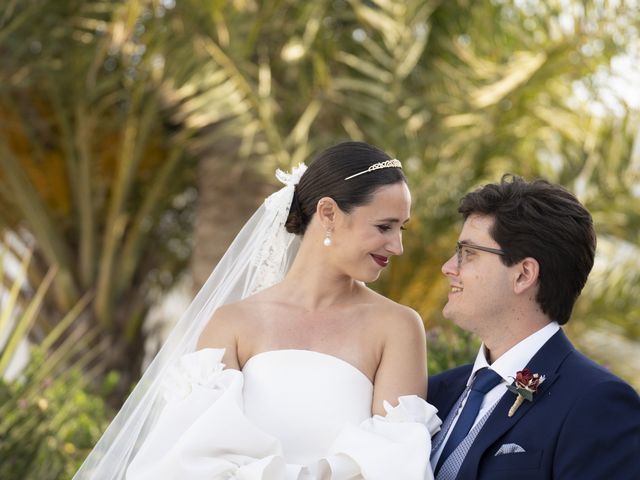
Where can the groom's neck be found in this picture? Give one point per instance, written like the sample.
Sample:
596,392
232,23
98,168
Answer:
502,340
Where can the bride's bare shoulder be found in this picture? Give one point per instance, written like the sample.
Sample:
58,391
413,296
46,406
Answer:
394,318
229,321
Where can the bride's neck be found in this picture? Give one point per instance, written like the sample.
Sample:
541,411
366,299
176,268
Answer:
314,284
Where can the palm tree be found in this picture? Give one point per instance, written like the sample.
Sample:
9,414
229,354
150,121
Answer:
89,170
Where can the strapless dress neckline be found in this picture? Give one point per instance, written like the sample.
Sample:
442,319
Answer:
303,351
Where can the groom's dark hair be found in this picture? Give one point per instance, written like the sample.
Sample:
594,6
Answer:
544,221
326,176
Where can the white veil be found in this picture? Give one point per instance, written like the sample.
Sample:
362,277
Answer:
259,257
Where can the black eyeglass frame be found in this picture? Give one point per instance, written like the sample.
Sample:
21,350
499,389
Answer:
460,246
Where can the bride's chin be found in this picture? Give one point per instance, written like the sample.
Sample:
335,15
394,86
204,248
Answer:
367,278
363,275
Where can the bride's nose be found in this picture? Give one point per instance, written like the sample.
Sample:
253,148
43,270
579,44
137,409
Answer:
395,245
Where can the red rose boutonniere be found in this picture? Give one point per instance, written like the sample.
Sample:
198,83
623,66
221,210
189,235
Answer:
527,384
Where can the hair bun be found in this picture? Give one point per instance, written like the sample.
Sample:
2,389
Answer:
295,220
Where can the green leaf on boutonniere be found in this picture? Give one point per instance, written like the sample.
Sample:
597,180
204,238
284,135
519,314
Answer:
527,394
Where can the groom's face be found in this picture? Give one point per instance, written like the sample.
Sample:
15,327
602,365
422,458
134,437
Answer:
480,287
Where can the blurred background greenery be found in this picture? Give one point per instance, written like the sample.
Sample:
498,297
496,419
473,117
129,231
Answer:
137,136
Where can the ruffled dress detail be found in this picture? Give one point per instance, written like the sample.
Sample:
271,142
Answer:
289,415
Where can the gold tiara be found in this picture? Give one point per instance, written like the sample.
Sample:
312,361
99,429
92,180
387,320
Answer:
393,163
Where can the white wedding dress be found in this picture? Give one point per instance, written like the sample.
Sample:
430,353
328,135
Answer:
289,415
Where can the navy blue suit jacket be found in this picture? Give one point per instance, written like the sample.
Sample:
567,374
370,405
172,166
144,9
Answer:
583,423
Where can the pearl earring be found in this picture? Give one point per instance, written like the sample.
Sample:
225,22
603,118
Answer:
327,239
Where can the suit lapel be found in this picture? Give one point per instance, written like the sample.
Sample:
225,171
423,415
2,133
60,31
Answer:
545,362
448,391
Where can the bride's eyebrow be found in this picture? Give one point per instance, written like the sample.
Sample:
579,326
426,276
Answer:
392,220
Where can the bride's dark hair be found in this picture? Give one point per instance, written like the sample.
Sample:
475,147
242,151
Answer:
326,175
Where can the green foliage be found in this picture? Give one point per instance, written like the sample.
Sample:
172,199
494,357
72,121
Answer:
450,348
48,418
47,426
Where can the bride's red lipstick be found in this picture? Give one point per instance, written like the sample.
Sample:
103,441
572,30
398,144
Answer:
380,260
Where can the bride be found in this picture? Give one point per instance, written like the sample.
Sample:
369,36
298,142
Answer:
287,366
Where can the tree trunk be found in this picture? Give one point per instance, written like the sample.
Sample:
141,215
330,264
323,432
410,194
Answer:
227,197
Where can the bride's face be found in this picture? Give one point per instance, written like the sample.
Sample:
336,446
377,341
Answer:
365,239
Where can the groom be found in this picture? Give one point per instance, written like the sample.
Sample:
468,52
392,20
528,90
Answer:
522,258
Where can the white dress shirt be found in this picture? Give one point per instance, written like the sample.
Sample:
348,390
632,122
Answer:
510,362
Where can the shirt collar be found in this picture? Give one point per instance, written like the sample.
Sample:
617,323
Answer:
517,357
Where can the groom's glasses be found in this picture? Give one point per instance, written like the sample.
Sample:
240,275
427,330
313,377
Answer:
461,246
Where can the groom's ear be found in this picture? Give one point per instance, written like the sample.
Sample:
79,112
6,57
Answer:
326,210
527,273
